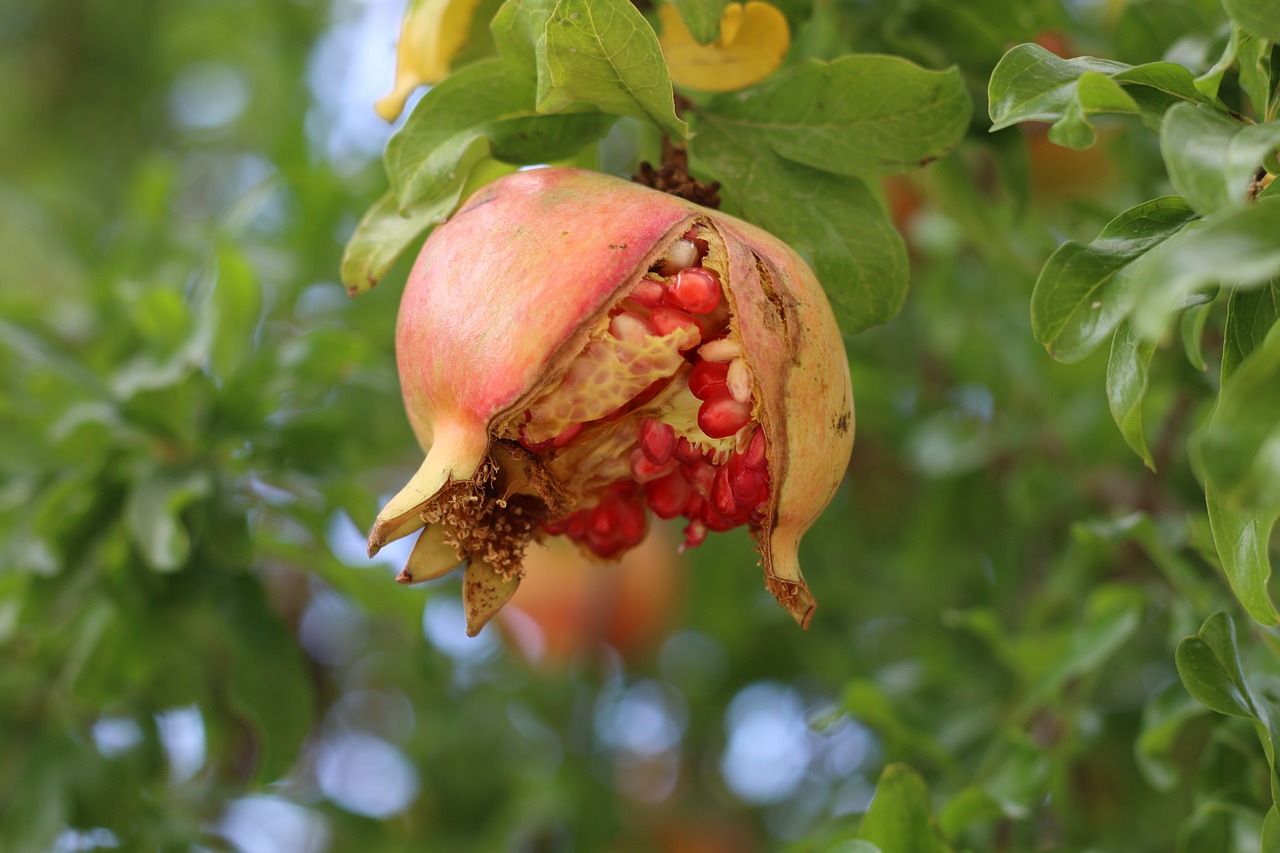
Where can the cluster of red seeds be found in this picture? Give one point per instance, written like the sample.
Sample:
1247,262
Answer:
671,476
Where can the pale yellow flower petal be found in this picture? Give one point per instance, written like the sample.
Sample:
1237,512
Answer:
754,38
432,34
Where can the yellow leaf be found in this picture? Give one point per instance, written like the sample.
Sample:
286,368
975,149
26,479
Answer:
753,40
432,34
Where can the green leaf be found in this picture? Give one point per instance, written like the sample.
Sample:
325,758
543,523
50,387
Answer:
1211,157
488,108
385,230
1237,447
383,234
861,116
900,818
154,515
1192,332
1234,247
1126,387
1242,538
1250,316
1032,84
1209,666
601,53
702,17
1271,830
1081,294
1260,17
850,243
1256,73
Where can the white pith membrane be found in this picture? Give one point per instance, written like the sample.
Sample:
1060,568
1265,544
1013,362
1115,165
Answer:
619,435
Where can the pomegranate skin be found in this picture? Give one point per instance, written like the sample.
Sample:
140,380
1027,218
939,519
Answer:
516,286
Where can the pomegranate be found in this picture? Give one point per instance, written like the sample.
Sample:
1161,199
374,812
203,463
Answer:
577,351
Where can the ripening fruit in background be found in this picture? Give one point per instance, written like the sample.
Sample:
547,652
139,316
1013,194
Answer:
569,603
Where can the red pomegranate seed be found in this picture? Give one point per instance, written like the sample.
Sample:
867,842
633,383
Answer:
649,293
723,417
754,456
749,487
719,523
687,453
707,380
701,477
602,528
667,320
631,522
695,533
695,506
657,440
723,500
643,471
667,496
696,290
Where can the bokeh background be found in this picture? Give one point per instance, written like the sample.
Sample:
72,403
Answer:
197,426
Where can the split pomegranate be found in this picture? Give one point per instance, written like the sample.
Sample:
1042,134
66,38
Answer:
577,352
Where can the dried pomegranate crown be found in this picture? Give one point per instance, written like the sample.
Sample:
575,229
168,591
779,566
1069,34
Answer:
576,351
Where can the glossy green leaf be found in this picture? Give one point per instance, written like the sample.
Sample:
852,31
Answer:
1242,537
834,220
1237,447
1191,328
1256,74
385,230
1127,386
1032,84
383,234
1233,248
1209,666
1082,293
487,108
1271,830
702,17
601,53
1211,157
1260,17
860,116
1251,314
900,818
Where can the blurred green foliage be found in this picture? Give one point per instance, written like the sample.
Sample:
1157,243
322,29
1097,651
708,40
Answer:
197,423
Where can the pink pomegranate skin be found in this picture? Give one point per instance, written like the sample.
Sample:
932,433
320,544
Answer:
506,295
